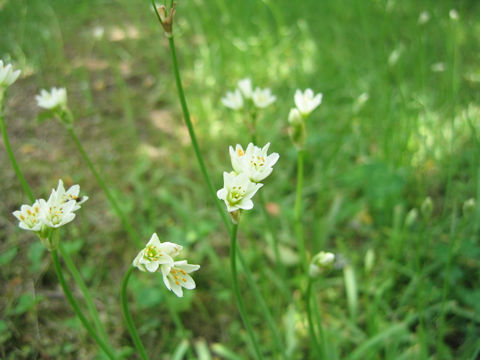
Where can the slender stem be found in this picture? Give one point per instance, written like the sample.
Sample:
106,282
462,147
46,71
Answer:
109,352
126,223
68,261
191,132
86,294
19,173
311,325
128,317
241,306
298,211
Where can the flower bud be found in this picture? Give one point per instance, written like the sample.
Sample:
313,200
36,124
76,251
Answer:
297,129
469,206
427,207
321,262
411,217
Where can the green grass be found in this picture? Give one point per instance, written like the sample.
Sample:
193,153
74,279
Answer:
367,165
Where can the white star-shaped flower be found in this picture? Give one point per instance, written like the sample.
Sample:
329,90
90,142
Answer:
155,254
263,97
176,276
233,100
7,75
307,101
55,98
254,162
29,217
237,191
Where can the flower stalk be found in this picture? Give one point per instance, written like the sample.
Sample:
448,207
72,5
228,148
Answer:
241,306
128,317
76,308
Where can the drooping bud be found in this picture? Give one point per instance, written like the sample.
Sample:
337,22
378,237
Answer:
297,129
320,263
411,217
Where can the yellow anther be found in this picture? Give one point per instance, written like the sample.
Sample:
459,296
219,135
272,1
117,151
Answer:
176,282
240,152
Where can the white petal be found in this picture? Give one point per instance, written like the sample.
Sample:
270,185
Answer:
189,284
152,266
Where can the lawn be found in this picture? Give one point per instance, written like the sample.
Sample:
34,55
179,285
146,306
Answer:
391,177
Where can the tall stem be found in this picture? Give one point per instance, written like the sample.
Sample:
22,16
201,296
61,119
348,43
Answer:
191,132
241,306
86,294
126,223
128,317
76,308
298,211
68,261
311,325
19,173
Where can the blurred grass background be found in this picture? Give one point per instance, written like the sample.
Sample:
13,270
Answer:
398,123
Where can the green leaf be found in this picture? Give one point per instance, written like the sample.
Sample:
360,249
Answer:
8,256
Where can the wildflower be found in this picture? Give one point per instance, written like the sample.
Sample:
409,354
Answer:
263,97
321,262
294,117
155,254
254,162
7,75
53,99
306,102
233,100
176,276
438,67
395,56
238,191
411,217
29,217
453,14
424,17
245,86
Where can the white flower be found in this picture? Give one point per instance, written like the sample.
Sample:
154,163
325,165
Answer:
294,117
233,100
394,56
263,97
306,102
453,14
320,262
438,67
176,276
53,99
237,191
254,162
29,217
7,75
60,207
424,17
156,254
245,86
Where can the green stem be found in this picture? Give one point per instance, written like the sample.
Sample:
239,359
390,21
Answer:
126,224
241,306
68,261
19,173
298,211
191,132
76,308
311,325
128,317
86,294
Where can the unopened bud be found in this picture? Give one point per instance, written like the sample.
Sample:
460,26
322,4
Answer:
297,130
321,262
427,207
369,260
411,217
235,215
469,206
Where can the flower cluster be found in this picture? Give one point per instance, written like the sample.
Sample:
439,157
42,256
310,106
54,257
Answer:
249,168
244,93
58,210
158,256
305,103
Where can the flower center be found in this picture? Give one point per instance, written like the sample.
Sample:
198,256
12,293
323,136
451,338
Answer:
152,253
178,275
258,162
